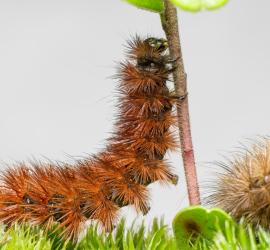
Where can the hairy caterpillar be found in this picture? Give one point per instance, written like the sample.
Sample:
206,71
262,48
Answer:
96,187
243,188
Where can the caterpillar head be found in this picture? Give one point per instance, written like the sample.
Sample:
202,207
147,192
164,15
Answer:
149,54
157,44
152,54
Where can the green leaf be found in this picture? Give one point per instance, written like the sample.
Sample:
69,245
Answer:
198,5
194,223
151,5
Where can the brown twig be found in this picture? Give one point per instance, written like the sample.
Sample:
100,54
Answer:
170,26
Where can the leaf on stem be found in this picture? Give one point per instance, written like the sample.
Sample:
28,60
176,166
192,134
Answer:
151,5
198,5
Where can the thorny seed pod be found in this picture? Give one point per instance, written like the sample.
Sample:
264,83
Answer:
244,186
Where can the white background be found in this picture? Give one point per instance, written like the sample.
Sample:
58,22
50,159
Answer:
57,97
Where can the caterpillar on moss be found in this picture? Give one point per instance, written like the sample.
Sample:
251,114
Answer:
97,187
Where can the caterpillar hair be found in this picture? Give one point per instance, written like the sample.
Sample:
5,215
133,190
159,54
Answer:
95,188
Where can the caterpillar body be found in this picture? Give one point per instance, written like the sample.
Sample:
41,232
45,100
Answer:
97,187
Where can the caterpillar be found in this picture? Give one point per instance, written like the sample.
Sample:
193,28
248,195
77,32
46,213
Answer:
244,186
96,187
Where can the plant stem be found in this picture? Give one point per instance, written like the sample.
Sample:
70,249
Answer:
170,26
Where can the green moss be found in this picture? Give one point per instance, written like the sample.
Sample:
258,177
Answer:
227,236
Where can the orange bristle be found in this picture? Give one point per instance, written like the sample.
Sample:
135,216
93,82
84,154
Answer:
95,188
14,195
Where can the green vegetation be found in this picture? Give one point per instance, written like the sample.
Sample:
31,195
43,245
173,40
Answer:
139,237
188,5
196,222
198,5
157,237
227,236
151,5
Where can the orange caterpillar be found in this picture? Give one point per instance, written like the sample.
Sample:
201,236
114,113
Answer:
96,188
